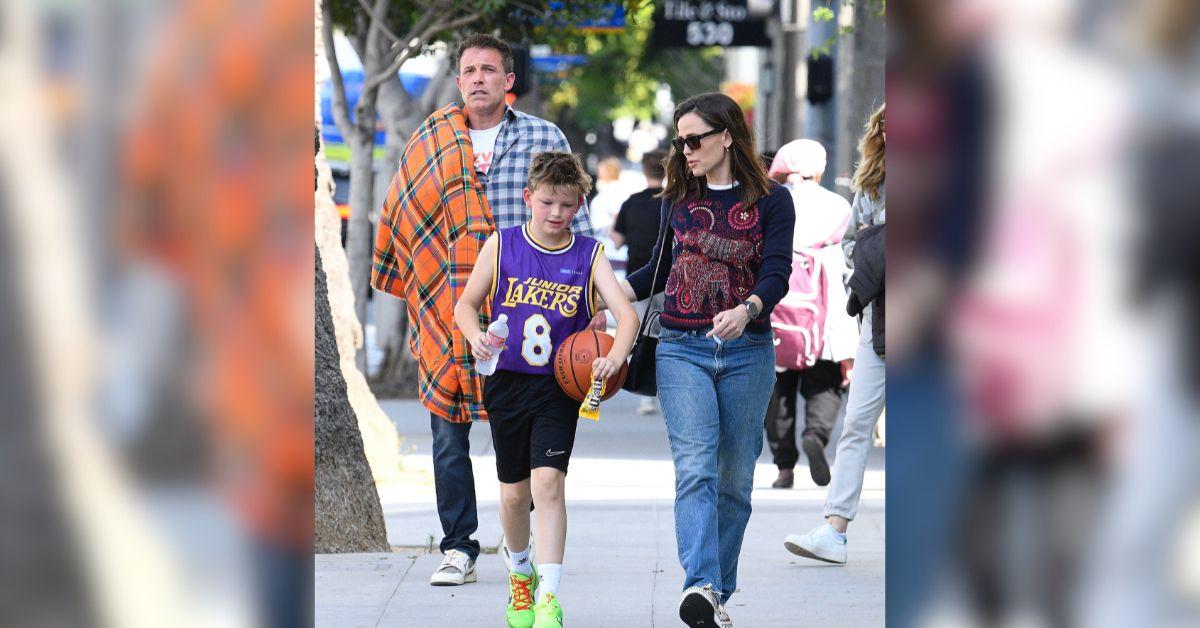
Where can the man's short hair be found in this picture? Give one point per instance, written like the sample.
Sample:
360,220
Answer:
553,169
653,165
483,40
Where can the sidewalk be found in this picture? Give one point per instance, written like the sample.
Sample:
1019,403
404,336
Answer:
621,567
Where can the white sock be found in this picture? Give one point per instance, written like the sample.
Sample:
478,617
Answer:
549,576
840,536
518,562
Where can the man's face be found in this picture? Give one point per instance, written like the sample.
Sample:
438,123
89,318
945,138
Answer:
481,79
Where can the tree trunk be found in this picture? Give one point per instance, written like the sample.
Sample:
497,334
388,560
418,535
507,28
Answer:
381,442
43,582
348,515
861,89
359,241
398,372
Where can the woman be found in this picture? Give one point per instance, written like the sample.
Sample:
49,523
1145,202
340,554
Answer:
869,205
864,403
724,269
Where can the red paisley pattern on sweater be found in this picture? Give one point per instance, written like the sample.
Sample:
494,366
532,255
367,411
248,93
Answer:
718,250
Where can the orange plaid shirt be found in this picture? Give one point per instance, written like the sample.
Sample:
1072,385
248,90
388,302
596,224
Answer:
431,229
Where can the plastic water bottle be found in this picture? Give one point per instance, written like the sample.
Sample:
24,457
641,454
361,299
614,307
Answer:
497,333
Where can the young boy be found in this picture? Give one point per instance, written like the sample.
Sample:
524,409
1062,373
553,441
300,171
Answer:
544,277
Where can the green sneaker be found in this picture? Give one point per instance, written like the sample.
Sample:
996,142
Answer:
547,613
520,599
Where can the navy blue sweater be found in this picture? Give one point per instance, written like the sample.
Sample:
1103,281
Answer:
722,251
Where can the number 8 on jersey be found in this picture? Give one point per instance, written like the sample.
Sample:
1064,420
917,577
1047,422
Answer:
547,293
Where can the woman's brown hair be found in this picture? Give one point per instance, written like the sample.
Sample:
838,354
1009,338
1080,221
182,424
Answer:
720,112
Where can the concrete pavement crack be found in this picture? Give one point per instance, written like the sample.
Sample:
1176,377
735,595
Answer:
382,613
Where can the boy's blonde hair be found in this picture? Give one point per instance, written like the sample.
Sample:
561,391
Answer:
553,169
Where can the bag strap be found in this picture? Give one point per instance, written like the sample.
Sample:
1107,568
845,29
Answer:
662,237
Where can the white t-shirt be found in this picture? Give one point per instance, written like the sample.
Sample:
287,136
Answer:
483,142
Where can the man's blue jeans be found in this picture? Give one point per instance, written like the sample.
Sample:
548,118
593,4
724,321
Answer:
454,482
714,398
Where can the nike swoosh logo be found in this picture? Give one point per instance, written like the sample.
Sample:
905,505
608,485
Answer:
554,453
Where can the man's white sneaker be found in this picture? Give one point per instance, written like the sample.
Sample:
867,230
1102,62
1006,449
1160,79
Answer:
700,607
820,543
456,568
647,406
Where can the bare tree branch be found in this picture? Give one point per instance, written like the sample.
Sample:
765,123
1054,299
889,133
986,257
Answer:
379,21
362,25
341,110
403,47
432,91
533,8
373,34
433,29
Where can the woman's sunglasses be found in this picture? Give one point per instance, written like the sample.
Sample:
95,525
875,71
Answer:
692,141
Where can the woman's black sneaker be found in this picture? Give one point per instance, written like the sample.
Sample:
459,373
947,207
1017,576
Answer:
817,465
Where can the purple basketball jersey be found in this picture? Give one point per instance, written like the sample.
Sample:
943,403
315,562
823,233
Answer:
547,294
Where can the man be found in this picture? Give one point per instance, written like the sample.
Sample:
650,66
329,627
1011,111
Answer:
821,217
637,226
431,228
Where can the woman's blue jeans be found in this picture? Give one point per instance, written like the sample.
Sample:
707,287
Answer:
714,398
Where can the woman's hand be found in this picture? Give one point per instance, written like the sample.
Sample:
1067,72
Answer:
479,347
729,324
603,368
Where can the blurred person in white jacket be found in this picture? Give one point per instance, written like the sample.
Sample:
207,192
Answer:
606,204
821,219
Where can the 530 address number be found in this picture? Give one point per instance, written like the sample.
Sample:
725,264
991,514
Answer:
709,33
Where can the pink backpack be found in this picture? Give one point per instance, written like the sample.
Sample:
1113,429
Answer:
799,318
1012,328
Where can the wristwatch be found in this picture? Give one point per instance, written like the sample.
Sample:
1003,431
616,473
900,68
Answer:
752,308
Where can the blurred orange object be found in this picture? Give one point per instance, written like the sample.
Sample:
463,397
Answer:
219,173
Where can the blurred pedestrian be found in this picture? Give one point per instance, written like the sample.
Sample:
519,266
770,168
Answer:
192,217
609,196
637,227
865,400
603,208
870,194
417,260
817,336
727,266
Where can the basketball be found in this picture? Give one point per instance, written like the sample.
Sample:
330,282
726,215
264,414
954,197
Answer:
573,364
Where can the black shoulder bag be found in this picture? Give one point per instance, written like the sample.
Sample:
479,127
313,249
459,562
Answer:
641,378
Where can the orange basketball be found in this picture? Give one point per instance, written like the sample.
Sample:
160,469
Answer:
573,364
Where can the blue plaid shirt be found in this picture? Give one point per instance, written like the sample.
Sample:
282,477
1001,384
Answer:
522,137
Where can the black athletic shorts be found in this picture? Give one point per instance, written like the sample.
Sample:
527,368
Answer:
533,423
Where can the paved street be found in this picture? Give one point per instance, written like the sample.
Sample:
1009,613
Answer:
621,567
